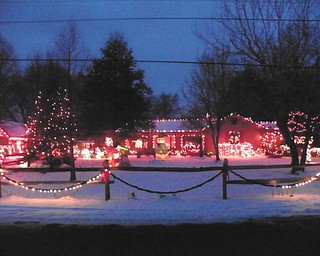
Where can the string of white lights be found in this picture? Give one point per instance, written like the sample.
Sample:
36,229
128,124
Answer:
57,190
304,182
100,176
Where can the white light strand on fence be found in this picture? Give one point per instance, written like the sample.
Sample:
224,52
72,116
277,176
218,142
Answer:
303,183
44,190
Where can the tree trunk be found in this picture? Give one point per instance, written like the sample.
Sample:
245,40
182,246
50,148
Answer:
217,143
215,138
72,164
216,148
306,143
283,126
201,146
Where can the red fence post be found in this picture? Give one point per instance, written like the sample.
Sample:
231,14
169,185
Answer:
225,175
107,185
106,179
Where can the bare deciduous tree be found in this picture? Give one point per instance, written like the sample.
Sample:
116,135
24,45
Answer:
69,49
281,39
204,94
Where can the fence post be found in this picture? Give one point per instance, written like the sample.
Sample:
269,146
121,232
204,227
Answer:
106,180
107,186
225,174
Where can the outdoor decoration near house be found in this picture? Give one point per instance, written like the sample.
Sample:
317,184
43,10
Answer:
162,148
181,140
239,136
91,150
238,150
234,137
109,141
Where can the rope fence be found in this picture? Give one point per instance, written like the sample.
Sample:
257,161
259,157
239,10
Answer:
304,181
46,190
285,183
104,178
166,192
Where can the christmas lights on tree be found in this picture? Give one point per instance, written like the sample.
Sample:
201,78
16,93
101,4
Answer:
271,143
50,127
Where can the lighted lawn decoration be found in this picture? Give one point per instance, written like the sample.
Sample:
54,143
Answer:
123,160
162,147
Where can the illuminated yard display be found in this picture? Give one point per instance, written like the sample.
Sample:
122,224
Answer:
240,149
235,147
169,137
162,148
239,136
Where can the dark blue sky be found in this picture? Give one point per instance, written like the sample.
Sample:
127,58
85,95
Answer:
148,39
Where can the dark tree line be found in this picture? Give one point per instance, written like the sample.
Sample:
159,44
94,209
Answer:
108,94
53,97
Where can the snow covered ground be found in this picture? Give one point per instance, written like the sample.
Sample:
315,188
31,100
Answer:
202,205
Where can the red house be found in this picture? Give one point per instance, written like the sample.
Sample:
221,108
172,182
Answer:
174,135
239,136
13,138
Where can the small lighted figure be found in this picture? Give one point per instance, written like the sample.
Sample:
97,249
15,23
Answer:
109,142
85,153
19,147
99,153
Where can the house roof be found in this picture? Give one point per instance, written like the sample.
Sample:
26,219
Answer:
176,125
13,129
269,125
172,125
262,124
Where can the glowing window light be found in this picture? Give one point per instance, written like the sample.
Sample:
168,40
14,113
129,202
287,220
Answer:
138,143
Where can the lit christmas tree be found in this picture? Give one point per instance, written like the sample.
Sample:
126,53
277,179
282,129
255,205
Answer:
271,143
51,129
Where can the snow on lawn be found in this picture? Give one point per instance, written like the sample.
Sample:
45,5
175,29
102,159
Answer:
202,205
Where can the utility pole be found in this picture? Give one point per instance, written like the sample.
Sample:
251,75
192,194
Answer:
72,165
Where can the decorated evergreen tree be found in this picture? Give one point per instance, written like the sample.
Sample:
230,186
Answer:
50,129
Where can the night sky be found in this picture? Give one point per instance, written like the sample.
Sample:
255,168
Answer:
148,39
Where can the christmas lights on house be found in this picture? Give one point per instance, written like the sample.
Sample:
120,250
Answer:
244,149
